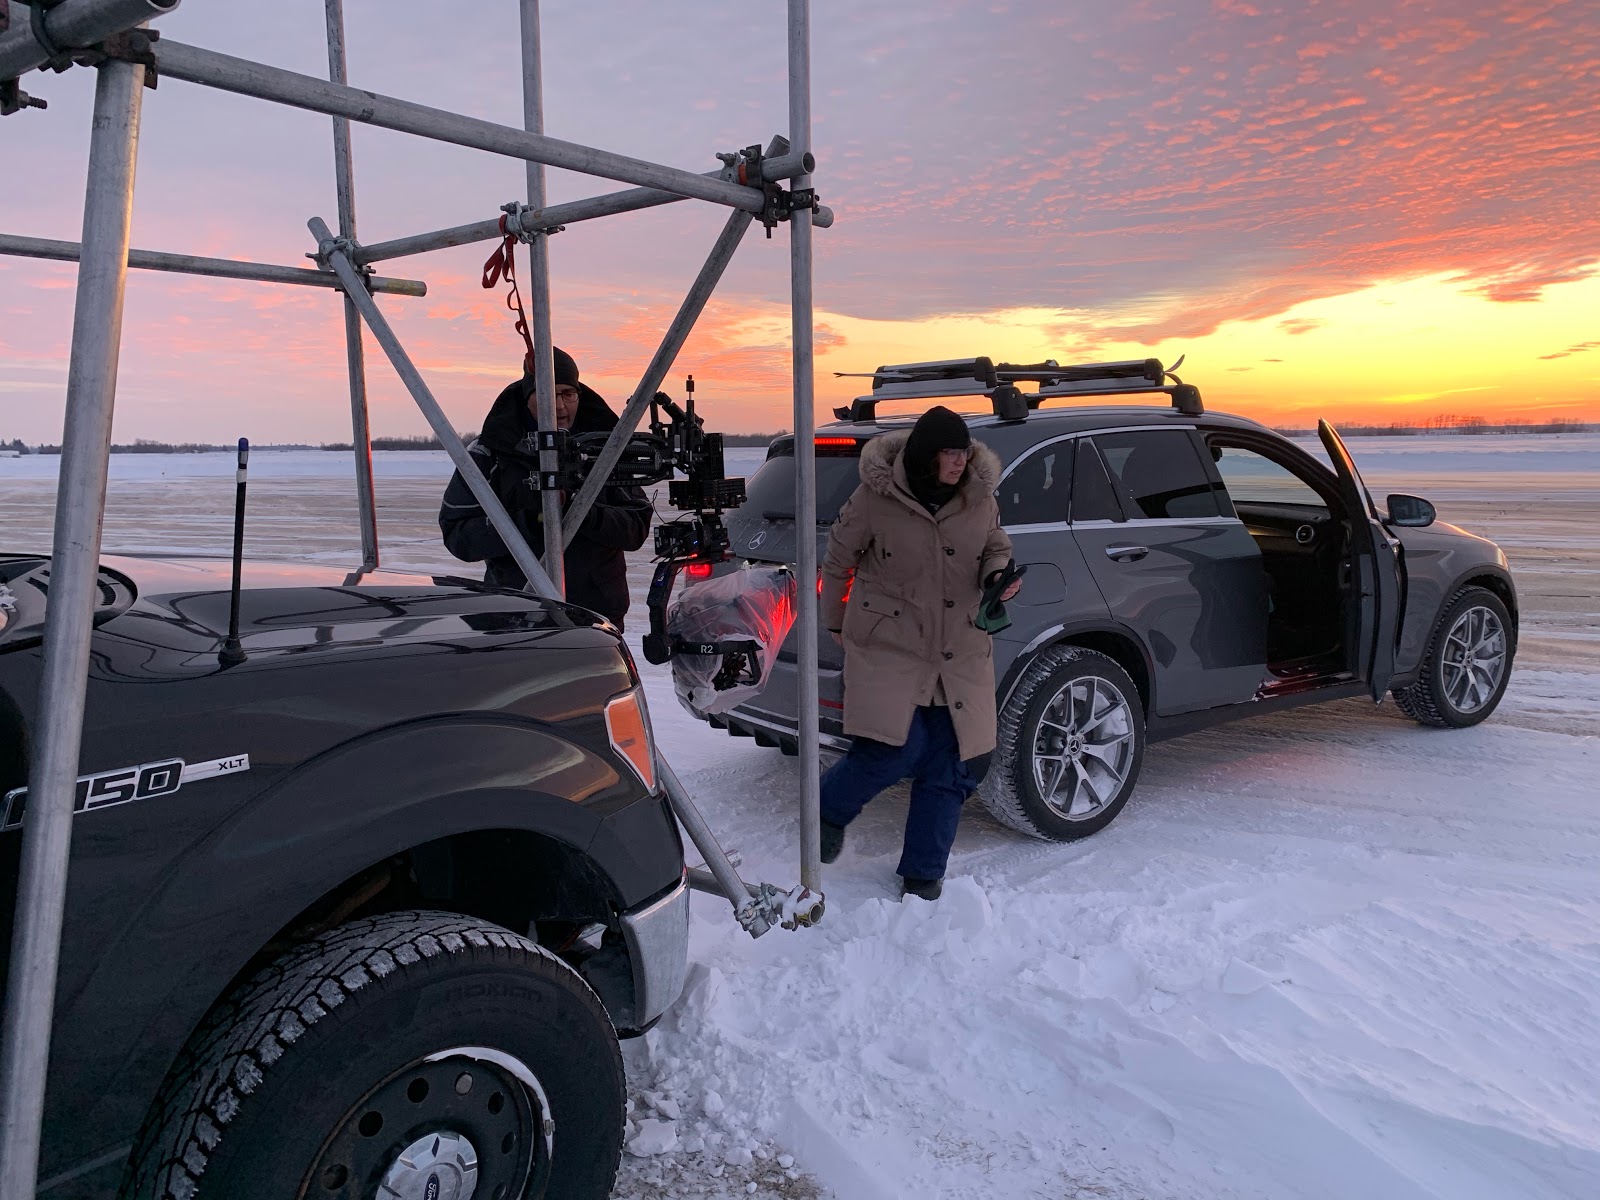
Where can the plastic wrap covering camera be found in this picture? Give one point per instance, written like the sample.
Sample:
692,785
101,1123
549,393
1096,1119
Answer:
740,621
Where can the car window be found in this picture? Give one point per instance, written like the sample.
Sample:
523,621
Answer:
1255,479
1159,473
1036,490
1093,497
770,492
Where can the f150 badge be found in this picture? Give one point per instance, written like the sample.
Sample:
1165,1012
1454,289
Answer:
108,788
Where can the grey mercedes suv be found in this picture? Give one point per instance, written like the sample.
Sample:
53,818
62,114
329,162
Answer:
1184,568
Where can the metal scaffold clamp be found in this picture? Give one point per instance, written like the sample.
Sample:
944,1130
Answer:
133,45
512,224
349,247
745,167
798,908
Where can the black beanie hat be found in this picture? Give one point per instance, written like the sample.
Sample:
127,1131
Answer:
566,369
937,429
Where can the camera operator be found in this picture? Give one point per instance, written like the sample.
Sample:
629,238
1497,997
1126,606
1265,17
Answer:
507,450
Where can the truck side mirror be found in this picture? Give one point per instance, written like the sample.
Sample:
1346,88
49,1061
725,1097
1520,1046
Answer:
1410,511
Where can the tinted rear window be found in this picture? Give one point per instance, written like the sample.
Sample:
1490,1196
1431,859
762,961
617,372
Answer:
770,492
1160,474
1093,497
1036,490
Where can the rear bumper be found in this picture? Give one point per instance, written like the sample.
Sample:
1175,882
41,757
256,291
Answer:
770,718
657,937
778,732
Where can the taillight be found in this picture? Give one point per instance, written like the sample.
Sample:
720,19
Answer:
628,725
698,570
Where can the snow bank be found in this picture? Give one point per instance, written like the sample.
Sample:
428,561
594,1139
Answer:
1324,955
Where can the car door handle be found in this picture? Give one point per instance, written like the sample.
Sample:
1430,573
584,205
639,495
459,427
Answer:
1126,553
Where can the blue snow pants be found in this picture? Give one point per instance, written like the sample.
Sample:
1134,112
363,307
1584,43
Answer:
940,783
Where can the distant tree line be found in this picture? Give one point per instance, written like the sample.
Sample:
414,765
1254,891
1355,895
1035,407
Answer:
432,443
1449,423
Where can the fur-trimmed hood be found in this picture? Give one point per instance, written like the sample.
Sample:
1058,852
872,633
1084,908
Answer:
882,471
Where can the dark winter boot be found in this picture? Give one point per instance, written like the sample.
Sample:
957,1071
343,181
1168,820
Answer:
928,889
832,842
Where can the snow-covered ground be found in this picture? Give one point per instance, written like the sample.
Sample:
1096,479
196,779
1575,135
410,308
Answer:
1324,954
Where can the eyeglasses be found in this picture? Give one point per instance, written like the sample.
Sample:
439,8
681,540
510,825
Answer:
964,455
567,395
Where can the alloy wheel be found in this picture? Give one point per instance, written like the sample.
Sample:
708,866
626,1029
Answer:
1083,747
1473,661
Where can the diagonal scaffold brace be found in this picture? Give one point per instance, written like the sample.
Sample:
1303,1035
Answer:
758,907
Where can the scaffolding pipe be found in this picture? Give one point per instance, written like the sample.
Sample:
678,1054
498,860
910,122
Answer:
677,333
702,880
543,364
723,873
805,454
516,544
344,177
193,65
73,25
218,268
554,217
69,623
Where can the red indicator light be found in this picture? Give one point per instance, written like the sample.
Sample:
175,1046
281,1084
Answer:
836,441
698,570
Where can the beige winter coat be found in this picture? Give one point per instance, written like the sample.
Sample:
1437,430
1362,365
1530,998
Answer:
917,583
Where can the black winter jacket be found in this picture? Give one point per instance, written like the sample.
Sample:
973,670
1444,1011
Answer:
506,450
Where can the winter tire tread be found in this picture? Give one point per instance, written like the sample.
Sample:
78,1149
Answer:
252,1027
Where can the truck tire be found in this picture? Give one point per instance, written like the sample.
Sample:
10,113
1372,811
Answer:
1467,665
417,1051
1071,741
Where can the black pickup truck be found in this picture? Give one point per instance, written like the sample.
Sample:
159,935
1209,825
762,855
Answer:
361,916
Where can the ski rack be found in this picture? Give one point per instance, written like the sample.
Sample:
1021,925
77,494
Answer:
998,381
771,185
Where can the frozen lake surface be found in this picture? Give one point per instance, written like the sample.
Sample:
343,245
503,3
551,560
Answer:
1325,954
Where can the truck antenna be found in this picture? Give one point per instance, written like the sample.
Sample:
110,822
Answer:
232,653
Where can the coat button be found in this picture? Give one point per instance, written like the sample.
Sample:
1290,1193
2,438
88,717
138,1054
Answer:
948,655
949,549
958,704
949,603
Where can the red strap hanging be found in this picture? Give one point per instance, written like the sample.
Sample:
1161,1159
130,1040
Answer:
502,264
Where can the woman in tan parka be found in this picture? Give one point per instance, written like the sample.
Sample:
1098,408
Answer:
912,551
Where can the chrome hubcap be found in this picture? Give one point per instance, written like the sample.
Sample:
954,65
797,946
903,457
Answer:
1083,748
1474,659
439,1166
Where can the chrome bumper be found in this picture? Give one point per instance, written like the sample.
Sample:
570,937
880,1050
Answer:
657,937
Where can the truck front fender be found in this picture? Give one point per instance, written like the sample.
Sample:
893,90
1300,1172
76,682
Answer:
222,899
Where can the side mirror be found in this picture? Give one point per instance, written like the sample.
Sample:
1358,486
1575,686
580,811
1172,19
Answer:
1412,512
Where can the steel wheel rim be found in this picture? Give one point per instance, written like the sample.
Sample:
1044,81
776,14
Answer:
1083,747
1473,659
468,1123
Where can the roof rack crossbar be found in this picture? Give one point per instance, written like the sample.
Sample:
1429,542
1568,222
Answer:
984,377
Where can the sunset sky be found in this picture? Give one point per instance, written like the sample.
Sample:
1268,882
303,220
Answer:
1372,210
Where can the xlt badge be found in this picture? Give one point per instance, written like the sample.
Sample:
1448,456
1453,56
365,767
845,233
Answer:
107,788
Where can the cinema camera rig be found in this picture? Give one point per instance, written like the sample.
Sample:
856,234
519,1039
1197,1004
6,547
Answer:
697,541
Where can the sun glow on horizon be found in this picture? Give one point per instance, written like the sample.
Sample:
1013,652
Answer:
1399,351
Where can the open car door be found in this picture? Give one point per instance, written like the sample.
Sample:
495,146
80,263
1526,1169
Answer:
1377,571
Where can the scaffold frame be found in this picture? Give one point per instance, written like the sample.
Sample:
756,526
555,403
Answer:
112,37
